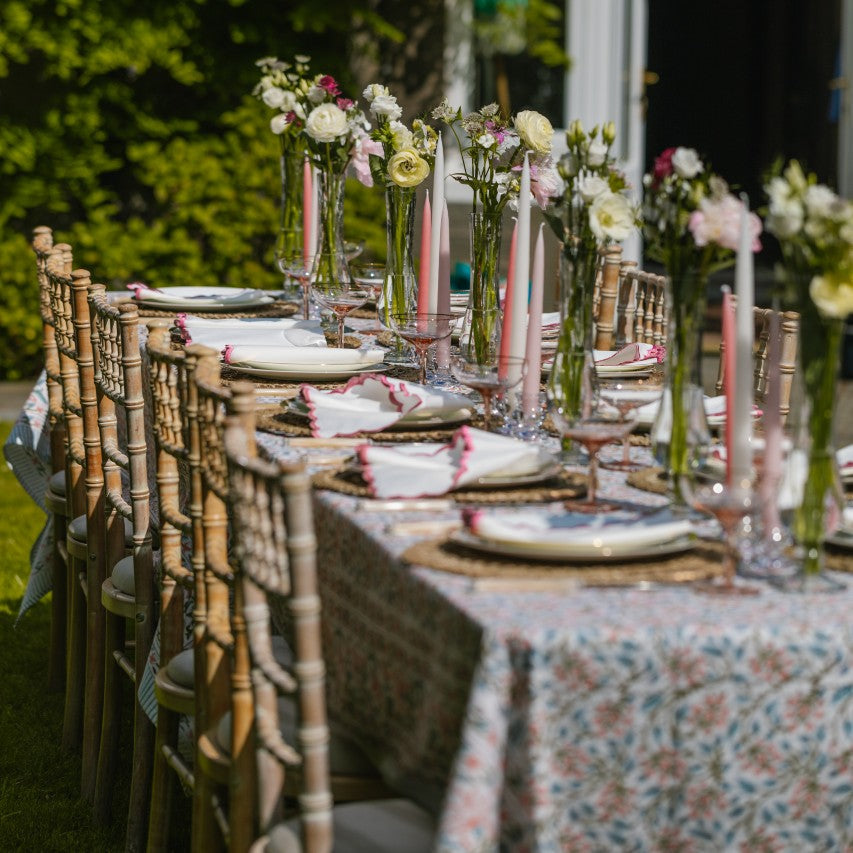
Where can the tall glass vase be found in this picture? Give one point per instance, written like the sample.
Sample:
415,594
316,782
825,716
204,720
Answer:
400,289
330,264
289,240
481,328
821,501
678,428
573,367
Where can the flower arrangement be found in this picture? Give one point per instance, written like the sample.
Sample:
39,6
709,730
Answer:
283,87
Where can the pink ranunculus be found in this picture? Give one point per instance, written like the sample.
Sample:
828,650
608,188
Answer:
364,147
663,165
718,221
329,84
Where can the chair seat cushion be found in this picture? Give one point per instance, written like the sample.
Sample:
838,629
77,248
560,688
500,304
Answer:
56,483
122,576
181,669
379,826
77,529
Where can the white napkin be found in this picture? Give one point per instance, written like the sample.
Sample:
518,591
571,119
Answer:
636,355
715,411
563,531
293,356
250,331
845,461
372,403
190,296
417,470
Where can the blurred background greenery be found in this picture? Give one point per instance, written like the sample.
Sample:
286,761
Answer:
129,128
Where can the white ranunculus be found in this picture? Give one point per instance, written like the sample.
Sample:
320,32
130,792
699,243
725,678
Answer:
386,105
833,298
591,187
375,90
820,200
686,163
596,153
326,123
611,217
273,97
278,123
535,131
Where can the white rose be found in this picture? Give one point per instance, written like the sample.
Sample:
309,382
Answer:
833,298
820,200
278,123
375,90
386,105
535,131
611,217
326,123
273,97
596,153
686,163
591,187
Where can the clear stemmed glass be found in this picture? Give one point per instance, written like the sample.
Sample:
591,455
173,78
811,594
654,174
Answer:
370,276
353,248
489,378
341,298
422,331
298,267
626,395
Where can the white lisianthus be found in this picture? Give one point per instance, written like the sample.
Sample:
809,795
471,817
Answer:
273,97
386,105
535,131
375,90
485,140
278,123
407,168
833,298
402,136
299,110
596,153
316,94
326,123
546,184
591,187
820,200
686,163
288,102
611,217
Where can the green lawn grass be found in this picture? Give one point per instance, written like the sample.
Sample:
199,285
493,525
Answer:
40,808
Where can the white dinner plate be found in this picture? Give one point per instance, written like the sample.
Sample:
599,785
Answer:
307,372
578,553
204,298
841,539
499,481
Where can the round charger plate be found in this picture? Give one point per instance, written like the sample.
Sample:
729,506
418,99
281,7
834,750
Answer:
547,472
579,553
308,373
407,423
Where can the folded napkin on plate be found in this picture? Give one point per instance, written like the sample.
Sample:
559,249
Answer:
250,330
418,470
715,410
296,356
633,354
845,460
372,403
198,295
565,530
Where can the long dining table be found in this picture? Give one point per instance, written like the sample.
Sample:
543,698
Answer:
546,716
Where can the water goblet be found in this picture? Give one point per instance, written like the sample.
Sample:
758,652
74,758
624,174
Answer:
369,276
626,395
422,331
490,378
298,267
341,298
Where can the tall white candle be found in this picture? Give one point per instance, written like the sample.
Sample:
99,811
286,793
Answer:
443,348
533,350
435,234
518,326
741,458
315,212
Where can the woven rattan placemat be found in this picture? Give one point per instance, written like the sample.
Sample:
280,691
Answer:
229,374
649,480
703,561
563,486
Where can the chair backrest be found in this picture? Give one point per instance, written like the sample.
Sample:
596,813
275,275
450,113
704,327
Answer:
641,309
605,304
788,325
224,646
275,546
42,244
176,445
118,381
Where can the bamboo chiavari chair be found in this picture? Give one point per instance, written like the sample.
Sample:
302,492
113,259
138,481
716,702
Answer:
276,554
55,497
789,330
642,314
127,595
607,293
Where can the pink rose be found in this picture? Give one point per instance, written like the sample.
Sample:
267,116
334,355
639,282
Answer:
663,165
718,221
364,147
329,84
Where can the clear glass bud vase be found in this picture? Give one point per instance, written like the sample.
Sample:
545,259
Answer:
289,240
399,294
330,268
480,337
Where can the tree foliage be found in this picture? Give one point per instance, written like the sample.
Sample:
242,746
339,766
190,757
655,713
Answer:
129,129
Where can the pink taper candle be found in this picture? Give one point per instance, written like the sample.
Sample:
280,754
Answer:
728,323
423,271
533,351
507,316
772,467
443,348
307,197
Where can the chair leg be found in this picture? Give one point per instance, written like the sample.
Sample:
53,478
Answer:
206,834
163,781
59,610
140,784
111,720
94,687
72,722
